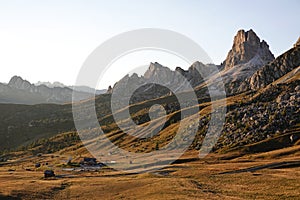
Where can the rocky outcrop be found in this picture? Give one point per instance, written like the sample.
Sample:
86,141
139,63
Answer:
247,45
275,70
272,112
109,90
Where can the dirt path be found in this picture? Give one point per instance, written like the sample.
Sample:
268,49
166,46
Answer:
276,165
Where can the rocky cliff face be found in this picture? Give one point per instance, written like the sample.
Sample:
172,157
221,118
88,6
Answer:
248,54
246,46
282,65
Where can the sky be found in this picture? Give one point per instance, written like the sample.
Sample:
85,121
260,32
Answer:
49,40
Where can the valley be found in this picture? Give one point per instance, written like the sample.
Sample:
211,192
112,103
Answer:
191,179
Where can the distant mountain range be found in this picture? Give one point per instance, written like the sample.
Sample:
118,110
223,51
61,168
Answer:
76,88
20,91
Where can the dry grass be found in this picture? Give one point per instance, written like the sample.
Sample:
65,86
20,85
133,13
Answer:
188,180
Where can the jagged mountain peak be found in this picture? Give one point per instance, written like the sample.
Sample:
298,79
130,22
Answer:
197,64
156,69
15,78
19,83
247,45
246,36
155,65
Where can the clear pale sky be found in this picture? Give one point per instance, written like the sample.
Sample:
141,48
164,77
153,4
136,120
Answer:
49,40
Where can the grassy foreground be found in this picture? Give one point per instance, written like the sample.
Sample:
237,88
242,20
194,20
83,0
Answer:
191,179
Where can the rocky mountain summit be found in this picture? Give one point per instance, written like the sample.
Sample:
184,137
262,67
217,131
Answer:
18,83
246,46
248,54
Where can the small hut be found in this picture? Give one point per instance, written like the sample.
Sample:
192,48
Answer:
49,173
37,165
89,161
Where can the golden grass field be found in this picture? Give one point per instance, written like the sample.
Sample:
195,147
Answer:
191,179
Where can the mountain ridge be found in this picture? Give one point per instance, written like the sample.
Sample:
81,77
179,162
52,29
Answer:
248,54
282,65
76,88
21,91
